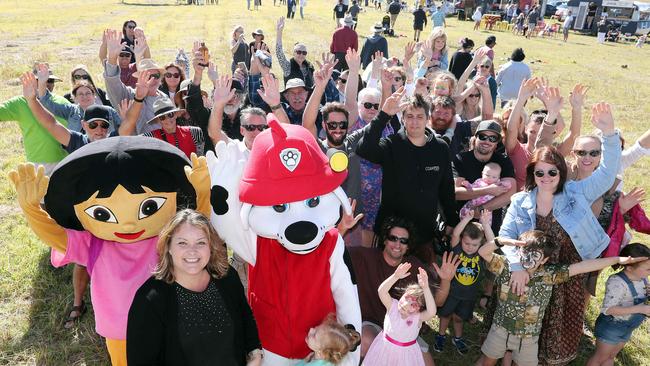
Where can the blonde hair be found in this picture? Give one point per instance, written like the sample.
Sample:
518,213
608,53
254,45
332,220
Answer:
217,265
416,291
336,340
444,75
438,32
236,28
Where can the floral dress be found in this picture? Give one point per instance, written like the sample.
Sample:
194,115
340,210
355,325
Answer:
371,176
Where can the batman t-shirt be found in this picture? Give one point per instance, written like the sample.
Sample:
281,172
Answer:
465,285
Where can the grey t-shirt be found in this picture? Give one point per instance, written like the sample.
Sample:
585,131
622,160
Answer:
352,184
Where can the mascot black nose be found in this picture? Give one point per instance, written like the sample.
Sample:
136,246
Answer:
301,232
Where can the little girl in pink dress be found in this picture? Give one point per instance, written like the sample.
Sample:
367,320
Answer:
396,344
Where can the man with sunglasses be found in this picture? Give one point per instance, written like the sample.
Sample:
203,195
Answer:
468,166
117,91
374,265
297,66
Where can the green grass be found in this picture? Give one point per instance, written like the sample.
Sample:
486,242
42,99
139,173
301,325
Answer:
33,295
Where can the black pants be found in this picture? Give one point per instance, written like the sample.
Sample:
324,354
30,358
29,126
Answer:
341,65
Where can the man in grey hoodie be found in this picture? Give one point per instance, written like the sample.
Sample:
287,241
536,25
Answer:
375,42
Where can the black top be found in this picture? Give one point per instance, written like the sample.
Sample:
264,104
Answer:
166,324
416,179
459,62
395,7
199,114
340,10
420,19
467,166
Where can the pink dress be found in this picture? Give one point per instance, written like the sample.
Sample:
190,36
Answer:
397,343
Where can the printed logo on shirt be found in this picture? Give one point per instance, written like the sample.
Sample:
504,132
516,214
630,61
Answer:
434,168
468,270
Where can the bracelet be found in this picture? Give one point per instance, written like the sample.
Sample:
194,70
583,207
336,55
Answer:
276,107
135,99
498,243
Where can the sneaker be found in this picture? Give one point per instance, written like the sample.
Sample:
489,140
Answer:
461,347
439,345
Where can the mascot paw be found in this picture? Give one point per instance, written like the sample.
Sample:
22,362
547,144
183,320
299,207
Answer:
226,169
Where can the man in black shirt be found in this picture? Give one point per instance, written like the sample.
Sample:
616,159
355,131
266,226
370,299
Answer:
339,12
393,9
416,168
468,166
419,22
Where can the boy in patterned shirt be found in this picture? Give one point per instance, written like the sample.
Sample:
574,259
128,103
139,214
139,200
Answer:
518,319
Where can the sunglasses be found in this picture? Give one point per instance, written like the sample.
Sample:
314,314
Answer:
155,76
125,54
80,77
583,153
474,95
343,125
368,105
551,173
92,125
343,81
393,238
397,78
131,26
304,53
251,128
485,66
167,115
492,138
174,75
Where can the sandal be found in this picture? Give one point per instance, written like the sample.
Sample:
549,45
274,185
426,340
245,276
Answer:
71,319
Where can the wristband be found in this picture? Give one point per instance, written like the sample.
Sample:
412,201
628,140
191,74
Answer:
135,99
276,107
498,243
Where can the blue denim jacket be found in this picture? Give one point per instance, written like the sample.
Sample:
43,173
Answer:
571,208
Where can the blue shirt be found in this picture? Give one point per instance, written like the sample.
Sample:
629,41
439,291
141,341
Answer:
438,18
79,140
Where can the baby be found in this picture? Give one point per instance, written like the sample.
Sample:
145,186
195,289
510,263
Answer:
491,175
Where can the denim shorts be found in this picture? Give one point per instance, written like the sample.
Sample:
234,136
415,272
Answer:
614,331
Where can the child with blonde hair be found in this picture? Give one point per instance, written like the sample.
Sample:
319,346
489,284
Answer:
397,343
331,342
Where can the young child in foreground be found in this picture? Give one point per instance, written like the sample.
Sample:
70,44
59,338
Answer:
396,344
518,319
331,342
464,289
491,174
624,306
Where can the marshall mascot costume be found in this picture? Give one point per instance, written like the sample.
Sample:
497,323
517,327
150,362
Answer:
277,211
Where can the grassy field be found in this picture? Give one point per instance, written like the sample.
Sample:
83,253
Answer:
33,295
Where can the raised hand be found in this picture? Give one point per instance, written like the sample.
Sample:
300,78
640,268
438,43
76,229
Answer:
394,104
138,32
402,270
485,217
353,59
409,52
43,72
348,221
197,60
631,199
29,85
270,92
427,50
552,99
223,91
386,78
280,25
577,96
198,174
447,268
377,62
124,106
213,74
423,278
30,184
146,85
114,44
528,88
602,119
140,47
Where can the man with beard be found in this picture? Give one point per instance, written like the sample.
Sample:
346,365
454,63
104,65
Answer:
468,166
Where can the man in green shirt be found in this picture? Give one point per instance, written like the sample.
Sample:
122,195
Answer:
40,147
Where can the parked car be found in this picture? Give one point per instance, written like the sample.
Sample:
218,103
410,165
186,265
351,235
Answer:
550,10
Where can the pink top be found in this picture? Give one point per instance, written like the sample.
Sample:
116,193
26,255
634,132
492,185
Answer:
520,157
116,271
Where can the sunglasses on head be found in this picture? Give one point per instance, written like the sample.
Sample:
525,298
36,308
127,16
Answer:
394,238
474,95
304,53
343,125
166,115
550,172
174,75
80,77
251,128
583,153
155,76
492,138
368,105
125,54
93,124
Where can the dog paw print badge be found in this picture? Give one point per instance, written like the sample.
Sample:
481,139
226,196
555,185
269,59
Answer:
290,158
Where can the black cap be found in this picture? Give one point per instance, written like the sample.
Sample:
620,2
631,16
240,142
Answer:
489,125
490,40
97,112
236,84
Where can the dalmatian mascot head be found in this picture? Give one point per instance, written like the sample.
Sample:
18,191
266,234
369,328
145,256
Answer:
290,190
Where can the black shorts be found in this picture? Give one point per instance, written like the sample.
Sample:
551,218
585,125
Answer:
463,308
418,27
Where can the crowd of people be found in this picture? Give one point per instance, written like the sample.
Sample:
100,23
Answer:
456,203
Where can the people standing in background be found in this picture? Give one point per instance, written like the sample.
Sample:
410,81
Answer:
419,22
